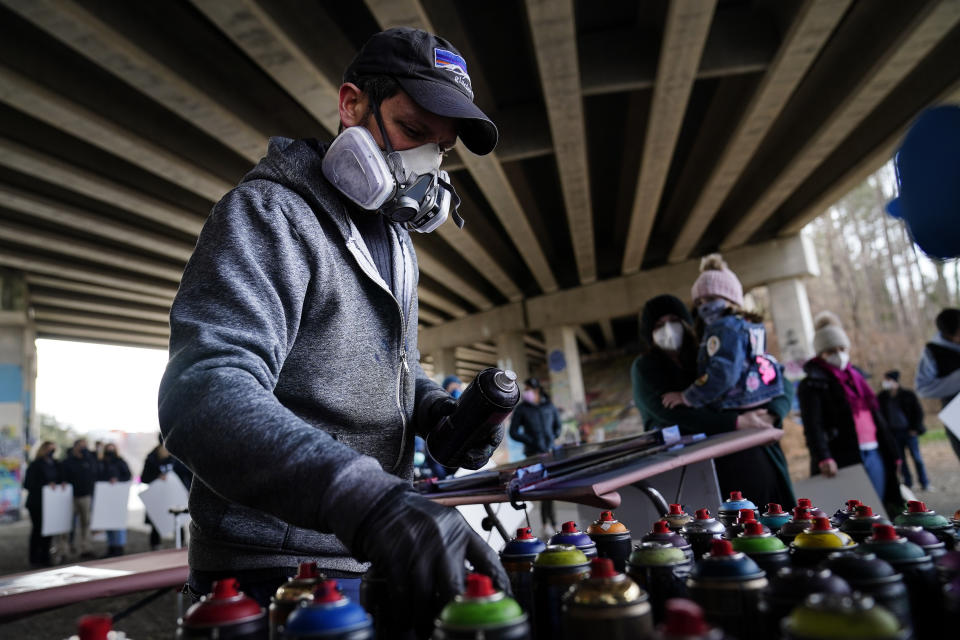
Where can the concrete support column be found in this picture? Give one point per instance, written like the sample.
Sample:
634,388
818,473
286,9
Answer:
18,357
444,363
793,323
512,354
563,360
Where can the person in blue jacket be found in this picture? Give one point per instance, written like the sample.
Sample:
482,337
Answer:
113,468
734,371
536,425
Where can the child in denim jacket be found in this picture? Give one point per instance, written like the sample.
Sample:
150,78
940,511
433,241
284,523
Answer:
734,370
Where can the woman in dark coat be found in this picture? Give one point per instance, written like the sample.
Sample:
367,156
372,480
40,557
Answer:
536,424
43,471
841,417
669,363
113,468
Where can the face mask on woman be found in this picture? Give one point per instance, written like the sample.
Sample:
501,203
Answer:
530,396
669,336
839,359
711,311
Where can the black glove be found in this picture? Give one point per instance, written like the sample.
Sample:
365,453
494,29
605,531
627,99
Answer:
483,447
420,547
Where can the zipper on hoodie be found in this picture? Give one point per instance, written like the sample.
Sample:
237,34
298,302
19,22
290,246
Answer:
402,364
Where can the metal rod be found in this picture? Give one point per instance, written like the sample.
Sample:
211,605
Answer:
495,522
659,502
683,474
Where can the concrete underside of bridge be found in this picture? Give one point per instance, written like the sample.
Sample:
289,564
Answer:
634,138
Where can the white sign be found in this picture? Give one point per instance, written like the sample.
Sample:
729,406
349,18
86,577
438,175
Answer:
110,506
162,495
830,494
950,416
57,509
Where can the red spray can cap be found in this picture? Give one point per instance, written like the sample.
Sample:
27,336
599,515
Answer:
226,605
806,503
602,568
479,586
306,571
524,533
94,627
801,513
853,504
606,516
326,592
721,548
746,515
736,495
753,528
661,526
885,533
774,508
676,510
703,514
915,506
863,511
569,527
684,618
821,524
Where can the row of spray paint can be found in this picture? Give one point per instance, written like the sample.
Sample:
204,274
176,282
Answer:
765,574
752,574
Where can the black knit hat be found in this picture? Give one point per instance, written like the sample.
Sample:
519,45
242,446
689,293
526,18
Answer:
433,73
893,374
658,307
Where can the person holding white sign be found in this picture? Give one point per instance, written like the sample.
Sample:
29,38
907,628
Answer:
114,469
938,372
43,471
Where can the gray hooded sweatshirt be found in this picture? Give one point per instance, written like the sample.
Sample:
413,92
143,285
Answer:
294,386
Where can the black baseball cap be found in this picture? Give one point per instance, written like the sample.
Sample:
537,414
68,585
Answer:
433,73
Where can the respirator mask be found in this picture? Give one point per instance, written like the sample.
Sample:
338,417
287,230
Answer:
407,187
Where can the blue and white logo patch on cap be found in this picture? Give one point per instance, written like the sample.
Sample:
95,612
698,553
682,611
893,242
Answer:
448,60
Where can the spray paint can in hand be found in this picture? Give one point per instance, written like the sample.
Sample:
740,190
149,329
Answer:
825,617
555,570
329,615
482,613
874,577
606,605
612,539
730,508
569,534
702,531
517,558
662,571
664,535
485,403
729,586
288,596
225,613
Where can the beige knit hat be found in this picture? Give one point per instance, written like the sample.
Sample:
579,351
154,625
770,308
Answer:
828,332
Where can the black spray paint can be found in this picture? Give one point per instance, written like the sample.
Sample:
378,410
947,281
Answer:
485,403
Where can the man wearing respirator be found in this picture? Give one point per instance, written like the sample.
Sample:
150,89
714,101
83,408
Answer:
294,387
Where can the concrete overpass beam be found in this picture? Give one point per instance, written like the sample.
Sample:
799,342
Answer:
566,377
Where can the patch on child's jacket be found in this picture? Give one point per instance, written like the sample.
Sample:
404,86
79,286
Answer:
713,345
768,372
702,380
753,381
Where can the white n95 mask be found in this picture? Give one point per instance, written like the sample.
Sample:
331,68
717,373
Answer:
669,336
406,186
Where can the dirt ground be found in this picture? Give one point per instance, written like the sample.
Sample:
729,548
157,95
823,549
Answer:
157,620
